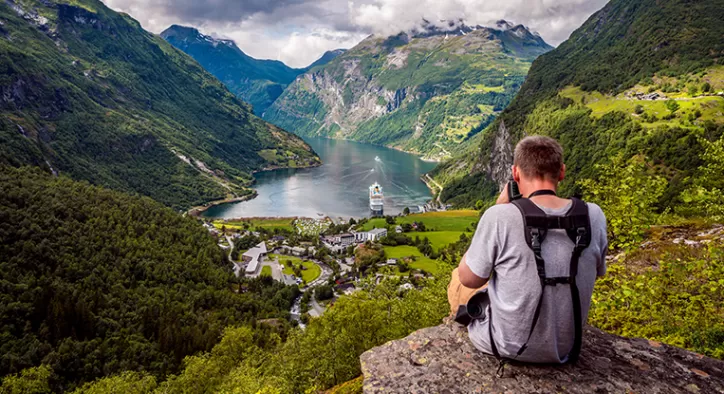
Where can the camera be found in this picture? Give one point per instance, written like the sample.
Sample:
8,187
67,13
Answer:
513,191
475,309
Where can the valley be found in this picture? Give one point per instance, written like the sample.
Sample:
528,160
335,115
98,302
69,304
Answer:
285,276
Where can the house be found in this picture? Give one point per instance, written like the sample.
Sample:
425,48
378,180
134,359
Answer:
376,234
391,262
407,286
345,239
360,237
398,229
345,288
254,257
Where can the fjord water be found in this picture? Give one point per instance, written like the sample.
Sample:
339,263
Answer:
340,187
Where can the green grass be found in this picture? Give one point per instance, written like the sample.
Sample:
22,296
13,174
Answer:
438,239
710,106
267,223
458,220
266,271
422,263
311,273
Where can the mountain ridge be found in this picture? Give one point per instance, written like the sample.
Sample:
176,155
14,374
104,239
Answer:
256,81
425,91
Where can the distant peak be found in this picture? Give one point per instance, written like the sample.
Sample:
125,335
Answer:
177,30
504,25
192,34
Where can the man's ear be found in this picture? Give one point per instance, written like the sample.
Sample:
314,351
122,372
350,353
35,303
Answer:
516,174
563,173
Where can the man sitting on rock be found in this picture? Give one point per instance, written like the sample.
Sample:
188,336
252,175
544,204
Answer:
525,254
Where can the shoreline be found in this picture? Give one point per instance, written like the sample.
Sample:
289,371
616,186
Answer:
416,154
200,209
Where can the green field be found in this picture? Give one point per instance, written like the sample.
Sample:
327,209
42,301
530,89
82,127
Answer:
457,220
266,271
267,223
709,106
439,239
422,263
311,273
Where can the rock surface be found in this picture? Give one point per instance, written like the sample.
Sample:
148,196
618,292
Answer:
442,360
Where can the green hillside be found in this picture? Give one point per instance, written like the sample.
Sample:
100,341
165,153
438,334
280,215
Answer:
95,282
592,91
87,92
424,93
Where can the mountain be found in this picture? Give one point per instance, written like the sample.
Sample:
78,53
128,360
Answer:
423,92
87,92
639,77
258,82
96,282
326,58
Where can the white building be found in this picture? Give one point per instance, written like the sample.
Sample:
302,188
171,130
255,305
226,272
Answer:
254,257
376,234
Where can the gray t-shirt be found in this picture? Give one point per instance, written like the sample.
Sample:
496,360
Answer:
499,246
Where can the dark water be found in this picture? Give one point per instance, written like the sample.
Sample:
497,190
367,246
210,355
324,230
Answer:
340,187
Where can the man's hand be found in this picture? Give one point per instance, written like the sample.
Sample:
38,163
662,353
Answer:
504,198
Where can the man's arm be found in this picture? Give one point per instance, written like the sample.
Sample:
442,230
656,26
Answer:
467,277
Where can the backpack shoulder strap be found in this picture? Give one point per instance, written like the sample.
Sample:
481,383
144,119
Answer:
580,234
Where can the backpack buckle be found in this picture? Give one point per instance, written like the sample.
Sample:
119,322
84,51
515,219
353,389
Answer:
580,232
535,238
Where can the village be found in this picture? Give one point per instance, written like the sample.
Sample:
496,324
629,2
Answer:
328,258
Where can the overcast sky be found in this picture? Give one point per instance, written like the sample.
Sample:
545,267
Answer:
298,32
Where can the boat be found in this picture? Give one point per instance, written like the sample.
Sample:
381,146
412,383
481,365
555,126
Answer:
377,200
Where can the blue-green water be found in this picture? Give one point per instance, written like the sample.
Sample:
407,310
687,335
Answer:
340,187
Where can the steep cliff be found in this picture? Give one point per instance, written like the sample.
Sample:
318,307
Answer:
442,360
421,92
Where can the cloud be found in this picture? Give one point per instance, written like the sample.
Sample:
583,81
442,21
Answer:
553,19
299,31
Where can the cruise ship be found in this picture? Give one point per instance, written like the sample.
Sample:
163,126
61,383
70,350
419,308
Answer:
377,201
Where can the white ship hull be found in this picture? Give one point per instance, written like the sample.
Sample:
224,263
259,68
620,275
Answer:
377,201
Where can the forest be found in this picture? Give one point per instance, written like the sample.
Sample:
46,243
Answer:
94,282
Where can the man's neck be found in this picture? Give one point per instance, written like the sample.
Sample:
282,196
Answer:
529,187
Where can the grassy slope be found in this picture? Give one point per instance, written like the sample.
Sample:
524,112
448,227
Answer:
253,223
311,273
93,94
457,220
421,262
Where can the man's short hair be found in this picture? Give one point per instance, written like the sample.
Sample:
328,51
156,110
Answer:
539,157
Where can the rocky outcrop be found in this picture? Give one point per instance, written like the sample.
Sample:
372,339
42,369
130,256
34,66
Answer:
442,360
501,156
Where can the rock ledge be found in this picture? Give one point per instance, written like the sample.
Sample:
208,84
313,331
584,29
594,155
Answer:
442,360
